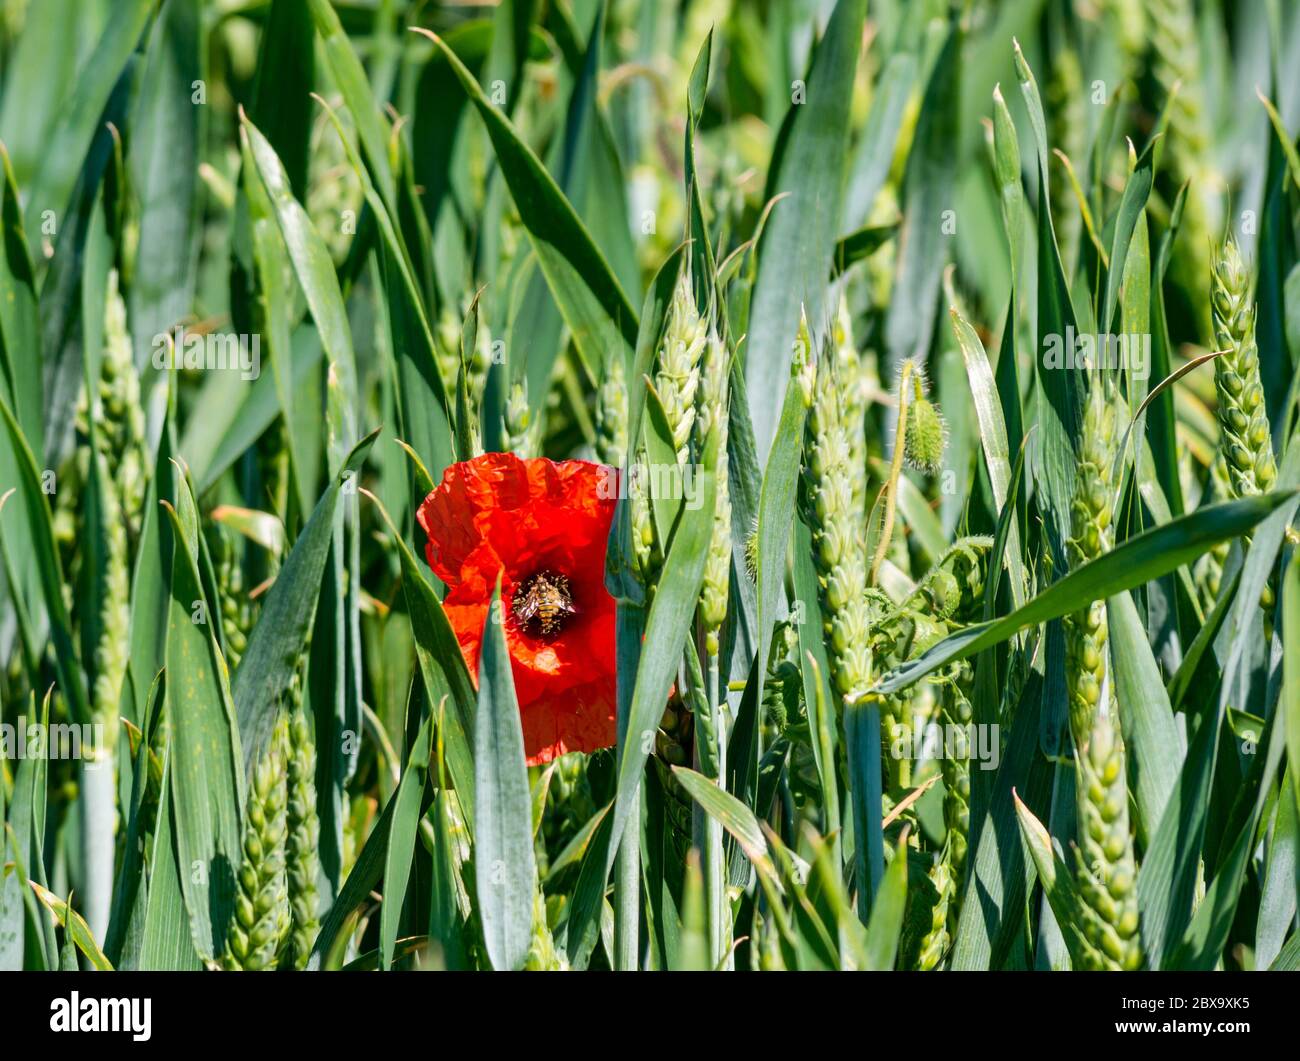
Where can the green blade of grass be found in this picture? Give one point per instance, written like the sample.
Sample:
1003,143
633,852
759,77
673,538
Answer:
875,148
1140,559
78,120
407,804
1155,745
1168,873
366,872
776,507
927,192
620,575
1132,203
667,626
316,276
733,815
275,310
1057,880
1011,194
588,295
862,748
1206,935
287,616
74,927
994,441
34,507
703,266
588,162
798,243
167,942
212,445
887,912
504,869
994,893
1160,415
21,930
816,668
41,72
350,76
286,74
131,889
425,405
1059,385
1277,902
20,325
206,769
442,666
1291,673
168,123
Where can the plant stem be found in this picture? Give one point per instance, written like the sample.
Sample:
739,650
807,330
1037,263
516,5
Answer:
629,628
826,752
627,896
714,854
862,740
98,825
895,470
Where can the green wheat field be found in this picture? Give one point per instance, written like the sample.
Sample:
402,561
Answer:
693,485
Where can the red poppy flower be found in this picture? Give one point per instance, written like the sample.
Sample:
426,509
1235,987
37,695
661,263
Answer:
542,526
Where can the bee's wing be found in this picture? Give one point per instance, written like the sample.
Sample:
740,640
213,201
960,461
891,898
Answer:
528,607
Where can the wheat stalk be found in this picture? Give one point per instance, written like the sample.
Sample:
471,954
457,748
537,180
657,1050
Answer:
302,845
520,429
1244,438
938,936
711,731
712,417
1209,568
1176,66
262,913
853,377
1105,863
611,415
1065,108
236,609
677,378
1243,419
121,420
839,548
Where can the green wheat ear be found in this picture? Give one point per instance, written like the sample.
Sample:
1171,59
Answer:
839,547
302,848
1245,442
121,419
521,429
712,416
853,377
237,611
1105,866
262,914
680,353
611,415
1243,420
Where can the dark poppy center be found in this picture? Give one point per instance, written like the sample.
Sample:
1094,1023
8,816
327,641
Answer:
543,603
